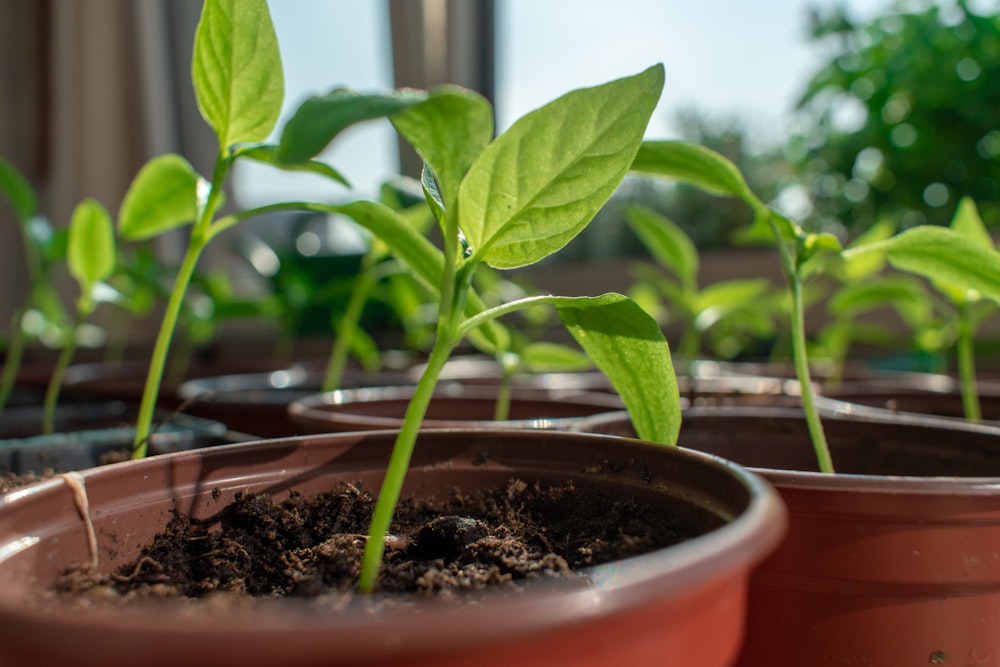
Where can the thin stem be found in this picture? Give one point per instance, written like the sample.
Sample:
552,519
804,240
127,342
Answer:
161,348
501,411
967,363
55,381
200,235
362,288
798,327
399,462
15,354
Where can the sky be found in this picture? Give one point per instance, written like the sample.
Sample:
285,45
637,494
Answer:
722,57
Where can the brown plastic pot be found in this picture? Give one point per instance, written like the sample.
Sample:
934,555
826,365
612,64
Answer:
681,605
257,403
894,560
454,405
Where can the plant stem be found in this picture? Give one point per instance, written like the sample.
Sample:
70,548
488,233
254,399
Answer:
15,353
363,286
55,382
158,359
200,236
967,364
801,359
399,462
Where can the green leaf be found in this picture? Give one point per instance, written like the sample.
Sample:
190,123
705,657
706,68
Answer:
448,130
541,182
945,256
903,293
236,70
732,294
968,223
628,346
543,357
319,120
163,196
18,191
91,252
695,165
864,265
269,155
669,245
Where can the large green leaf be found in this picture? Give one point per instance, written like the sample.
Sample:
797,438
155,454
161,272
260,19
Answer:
16,188
628,346
91,251
944,256
692,164
320,119
541,182
236,70
669,245
163,196
449,131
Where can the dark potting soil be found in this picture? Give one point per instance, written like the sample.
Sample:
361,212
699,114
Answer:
310,547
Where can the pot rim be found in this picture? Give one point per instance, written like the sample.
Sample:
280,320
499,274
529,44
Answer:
818,481
312,407
616,586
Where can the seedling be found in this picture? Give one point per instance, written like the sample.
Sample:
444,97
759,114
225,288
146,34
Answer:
239,86
91,260
797,248
44,248
509,202
963,264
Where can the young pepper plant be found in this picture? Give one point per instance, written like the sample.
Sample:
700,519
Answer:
90,255
509,202
798,249
239,86
44,248
963,264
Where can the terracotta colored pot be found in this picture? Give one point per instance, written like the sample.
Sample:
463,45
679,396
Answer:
257,403
682,605
895,560
453,406
921,393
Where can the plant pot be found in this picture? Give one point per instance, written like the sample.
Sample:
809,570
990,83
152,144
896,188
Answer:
257,403
680,605
891,561
126,380
453,406
921,393
87,433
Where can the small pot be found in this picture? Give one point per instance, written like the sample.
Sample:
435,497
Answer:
891,561
680,605
453,406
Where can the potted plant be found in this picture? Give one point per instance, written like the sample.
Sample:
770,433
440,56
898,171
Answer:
887,561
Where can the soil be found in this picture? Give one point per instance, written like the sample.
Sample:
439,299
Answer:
312,547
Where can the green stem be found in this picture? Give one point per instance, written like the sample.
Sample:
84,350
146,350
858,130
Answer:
967,364
399,462
161,348
55,381
453,296
15,354
800,357
501,411
363,286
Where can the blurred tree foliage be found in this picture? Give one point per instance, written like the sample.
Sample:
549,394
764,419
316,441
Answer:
904,119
